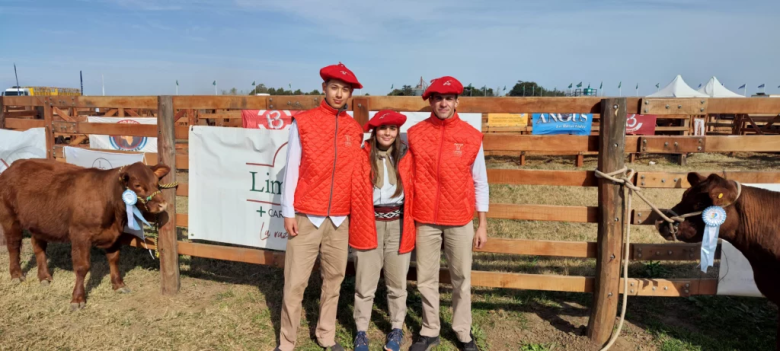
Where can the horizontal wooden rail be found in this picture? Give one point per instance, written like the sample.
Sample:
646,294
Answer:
580,214
23,124
541,177
680,179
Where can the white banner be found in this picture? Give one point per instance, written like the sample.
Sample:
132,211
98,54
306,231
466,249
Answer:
99,159
15,145
123,143
235,179
736,273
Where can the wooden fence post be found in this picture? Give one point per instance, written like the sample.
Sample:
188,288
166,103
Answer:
610,221
360,109
47,121
167,236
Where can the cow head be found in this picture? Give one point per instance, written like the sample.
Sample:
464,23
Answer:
704,192
145,182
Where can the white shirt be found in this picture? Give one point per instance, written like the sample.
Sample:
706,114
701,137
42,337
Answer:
291,181
481,188
384,195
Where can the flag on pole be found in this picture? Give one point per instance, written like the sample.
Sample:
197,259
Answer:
579,85
177,82
742,86
570,85
215,83
699,85
657,85
504,87
637,85
620,84
588,85
253,83
392,86
761,86
601,85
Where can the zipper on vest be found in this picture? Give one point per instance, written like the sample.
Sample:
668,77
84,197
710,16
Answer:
438,179
335,158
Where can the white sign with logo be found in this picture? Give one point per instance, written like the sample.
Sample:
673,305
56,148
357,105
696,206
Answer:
236,177
736,273
99,159
16,145
123,143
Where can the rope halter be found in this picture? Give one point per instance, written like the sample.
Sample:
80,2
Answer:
673,221
144,200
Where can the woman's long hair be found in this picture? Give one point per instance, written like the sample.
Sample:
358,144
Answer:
395,157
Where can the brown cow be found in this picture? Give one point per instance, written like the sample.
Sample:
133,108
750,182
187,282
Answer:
56,201
752,225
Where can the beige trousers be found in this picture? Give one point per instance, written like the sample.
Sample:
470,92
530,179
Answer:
368,264
457,249
332,244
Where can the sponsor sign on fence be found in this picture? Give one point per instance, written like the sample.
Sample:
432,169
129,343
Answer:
562,123
99,159
123,143
236,177
637,124
507,119
15,145
268,119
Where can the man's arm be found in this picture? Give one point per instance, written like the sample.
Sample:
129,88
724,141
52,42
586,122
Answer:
482,192
291,180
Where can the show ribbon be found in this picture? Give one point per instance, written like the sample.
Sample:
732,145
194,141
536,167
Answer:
714,217
130,199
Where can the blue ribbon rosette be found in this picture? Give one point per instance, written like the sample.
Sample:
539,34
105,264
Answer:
714,217
130,199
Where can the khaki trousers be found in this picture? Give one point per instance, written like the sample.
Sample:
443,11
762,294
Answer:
332,244
368,264
457,249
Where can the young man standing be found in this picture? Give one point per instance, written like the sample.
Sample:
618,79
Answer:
323,148
450,185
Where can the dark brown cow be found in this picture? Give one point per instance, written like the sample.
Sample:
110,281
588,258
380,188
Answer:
56,201
752,225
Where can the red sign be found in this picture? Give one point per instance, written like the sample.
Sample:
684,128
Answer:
640,124
268,119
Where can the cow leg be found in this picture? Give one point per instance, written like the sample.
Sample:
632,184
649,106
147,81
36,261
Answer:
113,264
39,247
80,255
13,241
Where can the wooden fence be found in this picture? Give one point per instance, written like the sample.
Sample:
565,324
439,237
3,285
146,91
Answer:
176,113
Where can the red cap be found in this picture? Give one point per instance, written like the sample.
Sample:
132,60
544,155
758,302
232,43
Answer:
443,85
340,72
386,117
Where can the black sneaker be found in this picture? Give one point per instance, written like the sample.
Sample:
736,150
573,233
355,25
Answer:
425,343
471,345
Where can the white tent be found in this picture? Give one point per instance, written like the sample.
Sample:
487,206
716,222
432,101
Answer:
678,89
714,88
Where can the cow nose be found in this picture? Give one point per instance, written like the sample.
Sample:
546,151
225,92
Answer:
162,206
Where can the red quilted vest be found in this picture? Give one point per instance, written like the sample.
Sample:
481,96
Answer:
362,223
330,145
444,151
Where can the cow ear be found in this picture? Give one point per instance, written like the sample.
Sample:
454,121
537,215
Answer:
695,178
721,191
160,170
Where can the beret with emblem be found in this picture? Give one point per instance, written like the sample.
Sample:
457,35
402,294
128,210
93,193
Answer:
340,72
444,85
386,117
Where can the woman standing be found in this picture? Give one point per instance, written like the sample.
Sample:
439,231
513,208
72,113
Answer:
381,232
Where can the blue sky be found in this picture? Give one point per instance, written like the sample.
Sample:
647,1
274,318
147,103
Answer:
143,46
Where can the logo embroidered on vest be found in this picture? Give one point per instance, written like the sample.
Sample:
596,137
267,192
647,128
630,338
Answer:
348,141
458,152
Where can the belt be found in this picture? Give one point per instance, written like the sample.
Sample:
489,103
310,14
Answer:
388,213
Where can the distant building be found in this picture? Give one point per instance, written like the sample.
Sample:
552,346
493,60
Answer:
419,89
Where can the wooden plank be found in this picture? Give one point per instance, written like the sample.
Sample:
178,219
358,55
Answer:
675,106
77,140
671,287
146,130
668,252
565,143
579,249
237,254
530,281
221,102
23,124
182,132
541,177
579,214
295,102
501,104
131,112
224,115
182,220
744,106
680,179
47,120
19,114
673,145
183,189
767,143
64,115
610,222
24,100
166,149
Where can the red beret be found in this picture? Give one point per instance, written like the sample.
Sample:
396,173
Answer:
386,117
443,85
340,72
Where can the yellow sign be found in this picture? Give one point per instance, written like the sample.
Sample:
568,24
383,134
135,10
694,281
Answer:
507,119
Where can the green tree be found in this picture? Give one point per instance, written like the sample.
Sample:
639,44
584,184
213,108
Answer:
522,88
406,90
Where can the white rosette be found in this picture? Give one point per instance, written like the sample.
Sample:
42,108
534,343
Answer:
714,217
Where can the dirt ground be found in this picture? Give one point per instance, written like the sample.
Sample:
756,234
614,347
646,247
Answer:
234,306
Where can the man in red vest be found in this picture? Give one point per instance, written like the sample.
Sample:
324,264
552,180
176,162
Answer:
323,148
450,185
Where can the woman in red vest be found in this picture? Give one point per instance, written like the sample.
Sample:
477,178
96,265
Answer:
382,230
